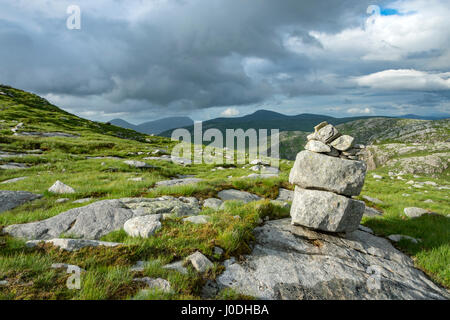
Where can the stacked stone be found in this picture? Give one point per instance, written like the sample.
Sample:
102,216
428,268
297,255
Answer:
326,176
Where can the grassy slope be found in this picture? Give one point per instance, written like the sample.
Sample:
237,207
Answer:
108,277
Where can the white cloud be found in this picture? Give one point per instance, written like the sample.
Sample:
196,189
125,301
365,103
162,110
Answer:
230,112
359,110
420,27
405,79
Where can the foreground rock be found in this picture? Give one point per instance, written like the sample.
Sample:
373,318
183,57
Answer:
327,211
102,217
318,171
233,194
156,283
290,262
13,180
61,188
12,199
137,164
414,212
199,262
72,244
143,226
178,182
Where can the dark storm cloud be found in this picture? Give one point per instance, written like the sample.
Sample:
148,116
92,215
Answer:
188,52
175,56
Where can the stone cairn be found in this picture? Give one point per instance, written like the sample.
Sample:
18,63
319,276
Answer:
326,175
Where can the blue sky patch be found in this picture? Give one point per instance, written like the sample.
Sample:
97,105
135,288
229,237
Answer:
389,12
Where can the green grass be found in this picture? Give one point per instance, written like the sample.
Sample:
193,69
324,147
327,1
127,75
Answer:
108,274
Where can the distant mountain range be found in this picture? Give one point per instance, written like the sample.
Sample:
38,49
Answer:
261,119
416,117
155,127
264,119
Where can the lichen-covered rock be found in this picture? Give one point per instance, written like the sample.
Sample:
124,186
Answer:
413,212
317,146
12,199
72,244
343,143
61,188
326,211
178,182
212,203
318,171
232,194
89,222
200,262
291,262
143,226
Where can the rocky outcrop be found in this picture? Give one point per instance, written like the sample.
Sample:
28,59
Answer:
143,226
292,262
12,199
72,244
102,217
237,195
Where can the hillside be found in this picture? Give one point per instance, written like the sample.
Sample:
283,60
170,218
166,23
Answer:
155,127
380,131
109,175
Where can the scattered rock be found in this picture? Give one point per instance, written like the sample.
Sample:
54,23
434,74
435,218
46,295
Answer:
371,212
138,164
365,229
138,179
200,262
62,200
3,282
72,244
197,219
166,205
13,180
343,143
317,146
326,211
210,289
84,200
143,226
233,194
414,212
66,266
89,222
285,195
13,166
61,188
218,251
212,203
178,182
399,237
376,176
373,200
139,266
326,134
178,266
156,283
290,262
12,199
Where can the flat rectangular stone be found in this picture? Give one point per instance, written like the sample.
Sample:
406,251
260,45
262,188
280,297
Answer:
318,171
326,211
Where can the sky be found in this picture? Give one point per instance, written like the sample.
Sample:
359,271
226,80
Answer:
143,60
